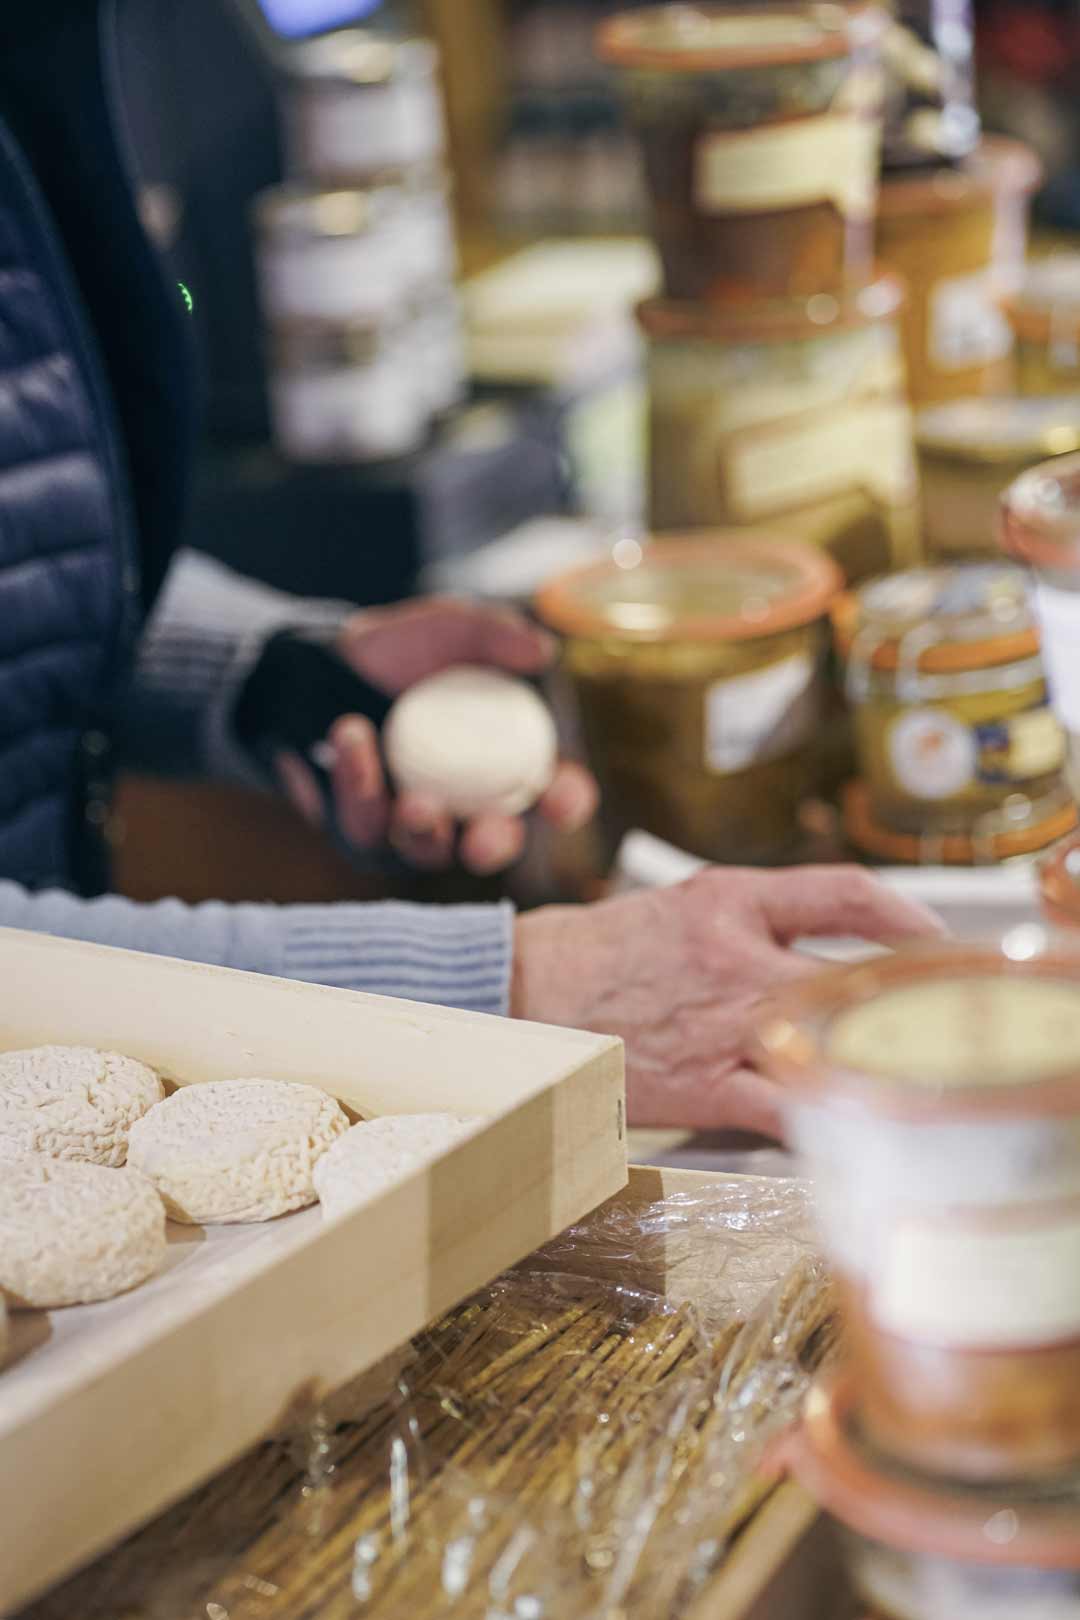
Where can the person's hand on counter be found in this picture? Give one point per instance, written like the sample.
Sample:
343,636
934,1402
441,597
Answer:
679,972
393,648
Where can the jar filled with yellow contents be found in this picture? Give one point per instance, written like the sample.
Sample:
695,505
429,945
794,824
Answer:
970,451
934,1095
793,417
698,667
954,733
760,130
1044,313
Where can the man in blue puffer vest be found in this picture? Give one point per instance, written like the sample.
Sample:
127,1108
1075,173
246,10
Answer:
109,643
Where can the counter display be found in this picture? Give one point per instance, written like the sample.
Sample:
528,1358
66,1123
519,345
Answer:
970,450
935,1097
789,418
1044,313
698,666
958,237
760,131
953,722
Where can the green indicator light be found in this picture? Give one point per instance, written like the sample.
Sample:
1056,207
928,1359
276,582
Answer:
186,296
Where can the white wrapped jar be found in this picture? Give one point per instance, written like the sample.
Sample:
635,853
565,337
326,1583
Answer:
334,255
344,394
437,343
916,1551
358,104
934,1095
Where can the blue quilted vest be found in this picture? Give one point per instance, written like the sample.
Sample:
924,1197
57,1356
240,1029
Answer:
93,426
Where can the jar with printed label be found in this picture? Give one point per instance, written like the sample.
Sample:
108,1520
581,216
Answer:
954,732
970,451
345,393
929,60
760,130
958,237
359,103
1040,526
1044,313
356,255
698,670
792,418
934,1095
918,1550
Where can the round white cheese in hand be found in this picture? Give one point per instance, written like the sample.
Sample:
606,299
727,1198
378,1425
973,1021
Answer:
474,739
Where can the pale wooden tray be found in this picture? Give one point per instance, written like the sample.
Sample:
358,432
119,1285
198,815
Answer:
109,1412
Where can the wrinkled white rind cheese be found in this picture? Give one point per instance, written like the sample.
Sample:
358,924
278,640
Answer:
378,1152
236,1150
474,739
72,1233
72,1102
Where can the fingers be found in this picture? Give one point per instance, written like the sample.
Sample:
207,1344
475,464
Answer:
842,901
300,787
491,842
572,799
404,645
738,1100
422,832
361,804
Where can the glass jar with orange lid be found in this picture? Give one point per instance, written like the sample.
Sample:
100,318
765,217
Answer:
934,1096
958,237
1040,526
698,667
919,1550
785,416
954,734
1044,313
1059,885
760,127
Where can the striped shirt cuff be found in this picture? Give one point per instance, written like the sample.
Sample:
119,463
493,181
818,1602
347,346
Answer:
452,956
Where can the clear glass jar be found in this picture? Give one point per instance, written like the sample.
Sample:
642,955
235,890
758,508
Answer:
958,237
760,130
345,393
355,255
1040,525
793,419
359,103
952,717
921,1551
1044,313
934,1095
970,451
698,667
929,57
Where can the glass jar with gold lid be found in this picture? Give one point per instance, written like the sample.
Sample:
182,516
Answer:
698,669
760,127
970,450
953,728
1044,313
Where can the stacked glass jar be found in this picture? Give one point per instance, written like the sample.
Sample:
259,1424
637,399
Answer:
934,1095
356,256
776,381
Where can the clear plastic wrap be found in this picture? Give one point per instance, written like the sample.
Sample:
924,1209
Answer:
566,1444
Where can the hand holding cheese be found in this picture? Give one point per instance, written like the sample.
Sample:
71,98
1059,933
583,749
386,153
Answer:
474,739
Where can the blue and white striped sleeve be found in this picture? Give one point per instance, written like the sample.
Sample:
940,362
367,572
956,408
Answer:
202,641
452,956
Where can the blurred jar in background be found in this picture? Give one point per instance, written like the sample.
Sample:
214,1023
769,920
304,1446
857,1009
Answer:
1044,313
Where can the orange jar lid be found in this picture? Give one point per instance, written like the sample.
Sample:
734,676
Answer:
720,587
934,1033
1040,515
898,1510
938,620
718,38
1059,882
782,322
998,166
951,849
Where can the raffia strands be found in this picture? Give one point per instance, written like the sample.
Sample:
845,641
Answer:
579,1444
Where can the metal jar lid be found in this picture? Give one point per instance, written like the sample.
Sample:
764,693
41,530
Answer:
1000,432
